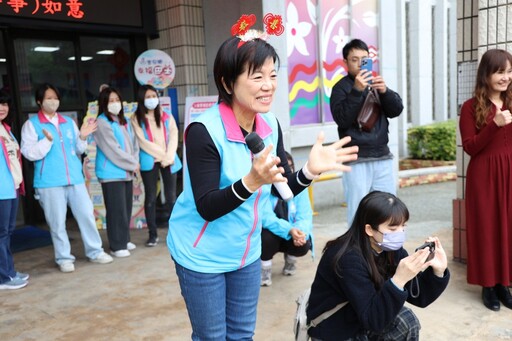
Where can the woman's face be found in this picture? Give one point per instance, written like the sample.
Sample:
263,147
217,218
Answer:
384,228
4,111
113,98
253,93
500,80
150,94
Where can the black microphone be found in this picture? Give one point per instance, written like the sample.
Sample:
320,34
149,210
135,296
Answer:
256,146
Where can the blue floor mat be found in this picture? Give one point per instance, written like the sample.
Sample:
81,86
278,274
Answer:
29,237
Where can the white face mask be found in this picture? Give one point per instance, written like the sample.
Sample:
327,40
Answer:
114,108
50,105
151,103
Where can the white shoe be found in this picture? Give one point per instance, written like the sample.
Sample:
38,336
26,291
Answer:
266,276
102,258
130,246
67,267
120,253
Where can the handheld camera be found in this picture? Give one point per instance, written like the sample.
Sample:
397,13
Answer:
432,249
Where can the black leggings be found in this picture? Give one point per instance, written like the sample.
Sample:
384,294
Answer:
150,181
272,244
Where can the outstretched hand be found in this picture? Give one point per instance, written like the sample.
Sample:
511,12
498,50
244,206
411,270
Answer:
326,158
87,128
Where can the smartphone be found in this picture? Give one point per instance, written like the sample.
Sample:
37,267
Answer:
432,248
367,64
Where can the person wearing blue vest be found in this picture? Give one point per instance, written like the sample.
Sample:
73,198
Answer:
54,143
11,186
289,230
117,163
157,135
214,235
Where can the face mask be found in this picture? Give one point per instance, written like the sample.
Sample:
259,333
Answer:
392,241
151,103
114,108
50,105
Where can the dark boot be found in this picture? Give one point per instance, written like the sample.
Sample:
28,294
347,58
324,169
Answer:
490,298
503,294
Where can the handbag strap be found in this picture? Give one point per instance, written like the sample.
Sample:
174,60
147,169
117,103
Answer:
326,315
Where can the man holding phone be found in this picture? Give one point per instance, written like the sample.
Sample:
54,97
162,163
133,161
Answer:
373,170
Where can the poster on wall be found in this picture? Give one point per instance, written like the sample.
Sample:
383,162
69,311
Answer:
316,35
138,219
156,68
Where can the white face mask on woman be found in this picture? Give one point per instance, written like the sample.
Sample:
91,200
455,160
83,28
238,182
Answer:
151,103
50,105
114,108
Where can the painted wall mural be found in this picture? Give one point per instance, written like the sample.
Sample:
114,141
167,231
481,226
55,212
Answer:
317,30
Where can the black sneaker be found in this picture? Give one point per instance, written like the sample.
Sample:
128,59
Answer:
152,241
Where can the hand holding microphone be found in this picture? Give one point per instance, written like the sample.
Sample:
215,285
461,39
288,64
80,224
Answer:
257,147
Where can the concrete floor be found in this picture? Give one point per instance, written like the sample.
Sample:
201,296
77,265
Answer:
138,298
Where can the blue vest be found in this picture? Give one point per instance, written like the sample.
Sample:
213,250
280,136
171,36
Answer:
234,240
61,166
7,188
105,169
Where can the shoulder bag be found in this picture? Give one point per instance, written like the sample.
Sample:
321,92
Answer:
370,111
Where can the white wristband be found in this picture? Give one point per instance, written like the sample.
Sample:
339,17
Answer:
247,188
307,173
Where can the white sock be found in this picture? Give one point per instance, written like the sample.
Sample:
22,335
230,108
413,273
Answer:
291,259
266,264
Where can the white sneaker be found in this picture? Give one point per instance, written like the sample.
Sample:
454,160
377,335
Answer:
130,246
266,276
102,258
67,267
120,253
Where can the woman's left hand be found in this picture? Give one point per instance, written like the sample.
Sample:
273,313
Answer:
87,128
440,262
325,158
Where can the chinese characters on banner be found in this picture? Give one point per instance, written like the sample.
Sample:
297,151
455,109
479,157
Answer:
156,68
73,8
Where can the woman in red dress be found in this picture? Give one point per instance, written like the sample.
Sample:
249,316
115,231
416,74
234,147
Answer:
487,137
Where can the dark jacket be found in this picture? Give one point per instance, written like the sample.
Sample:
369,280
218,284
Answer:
369,309
346,103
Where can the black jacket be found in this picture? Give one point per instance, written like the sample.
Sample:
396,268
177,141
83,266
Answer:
369,309
345,104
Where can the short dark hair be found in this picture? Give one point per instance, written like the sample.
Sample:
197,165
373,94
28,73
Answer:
354,44
141,111
232,60
103,104
39,96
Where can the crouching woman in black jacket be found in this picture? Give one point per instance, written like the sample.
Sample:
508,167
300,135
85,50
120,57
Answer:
368,267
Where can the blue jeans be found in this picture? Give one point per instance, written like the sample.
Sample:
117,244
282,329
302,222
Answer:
364,178
221,306
54,201
8,210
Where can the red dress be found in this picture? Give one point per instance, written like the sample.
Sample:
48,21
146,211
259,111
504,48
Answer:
488,198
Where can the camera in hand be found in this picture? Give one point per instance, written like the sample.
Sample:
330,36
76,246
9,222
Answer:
431,247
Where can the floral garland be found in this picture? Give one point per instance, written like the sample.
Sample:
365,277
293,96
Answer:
242,28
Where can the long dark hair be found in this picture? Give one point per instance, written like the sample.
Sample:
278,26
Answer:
103,104
141,111
374,209
5,98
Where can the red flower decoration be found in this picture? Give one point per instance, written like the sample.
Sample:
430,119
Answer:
243,24
273,24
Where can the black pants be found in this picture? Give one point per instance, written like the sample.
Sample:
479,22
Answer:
272,244
118,198
150,181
